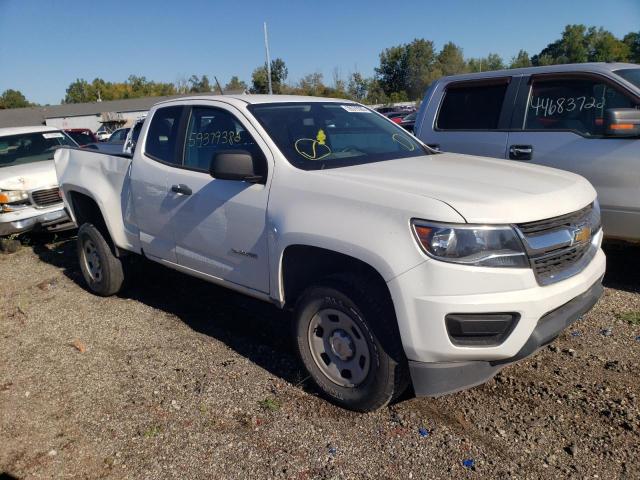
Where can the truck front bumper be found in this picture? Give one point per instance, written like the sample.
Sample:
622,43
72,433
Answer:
427,296
24,221
432,379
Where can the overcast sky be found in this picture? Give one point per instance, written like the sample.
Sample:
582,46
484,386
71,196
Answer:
47,44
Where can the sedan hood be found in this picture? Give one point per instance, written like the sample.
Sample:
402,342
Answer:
28,176
482,190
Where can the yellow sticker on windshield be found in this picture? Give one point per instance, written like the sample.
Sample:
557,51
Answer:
321,137
312,149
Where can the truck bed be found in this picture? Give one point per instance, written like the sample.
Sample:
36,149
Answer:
104,178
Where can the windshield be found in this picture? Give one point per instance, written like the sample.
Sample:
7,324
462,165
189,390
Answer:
31,147
82,137
318,135
630,75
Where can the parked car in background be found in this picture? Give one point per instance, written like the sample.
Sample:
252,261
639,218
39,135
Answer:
118,136
132,137
384,110
583,118
409,122
82,136
29,193
395,117
400,264
103,133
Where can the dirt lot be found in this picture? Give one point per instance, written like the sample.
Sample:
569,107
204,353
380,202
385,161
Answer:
177,378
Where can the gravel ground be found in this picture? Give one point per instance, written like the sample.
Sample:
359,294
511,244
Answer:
177,378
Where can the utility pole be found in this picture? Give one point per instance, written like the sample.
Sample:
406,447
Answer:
266,47
218,84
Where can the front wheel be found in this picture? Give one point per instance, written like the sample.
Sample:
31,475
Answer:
101,269
349,342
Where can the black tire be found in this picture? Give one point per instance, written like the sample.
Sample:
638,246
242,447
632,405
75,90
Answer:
93,250
387,376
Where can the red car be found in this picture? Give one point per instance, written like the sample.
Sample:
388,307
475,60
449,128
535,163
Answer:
82,136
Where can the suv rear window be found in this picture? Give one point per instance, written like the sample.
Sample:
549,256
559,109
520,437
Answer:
471,107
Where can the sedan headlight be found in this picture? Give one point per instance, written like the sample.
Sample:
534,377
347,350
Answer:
481,245
13,196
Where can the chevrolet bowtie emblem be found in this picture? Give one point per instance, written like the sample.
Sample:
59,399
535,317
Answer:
581,234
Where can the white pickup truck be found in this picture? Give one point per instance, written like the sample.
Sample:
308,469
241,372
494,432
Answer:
402,265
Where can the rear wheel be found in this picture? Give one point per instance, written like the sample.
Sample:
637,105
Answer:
349,342
101,269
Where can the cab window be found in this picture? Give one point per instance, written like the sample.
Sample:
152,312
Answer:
162,137
213,130
574,104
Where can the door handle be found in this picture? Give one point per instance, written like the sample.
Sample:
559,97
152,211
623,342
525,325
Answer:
181,189
520,152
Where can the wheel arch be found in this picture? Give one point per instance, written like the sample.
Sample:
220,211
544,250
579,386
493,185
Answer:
302,264
85,209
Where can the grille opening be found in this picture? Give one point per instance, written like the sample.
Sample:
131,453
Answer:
558,262
568,220
46,197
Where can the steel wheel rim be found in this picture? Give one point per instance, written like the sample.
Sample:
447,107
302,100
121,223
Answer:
338,347
91,260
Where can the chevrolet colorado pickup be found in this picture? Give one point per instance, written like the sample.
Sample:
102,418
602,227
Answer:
402,265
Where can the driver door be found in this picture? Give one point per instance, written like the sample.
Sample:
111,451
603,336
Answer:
220,225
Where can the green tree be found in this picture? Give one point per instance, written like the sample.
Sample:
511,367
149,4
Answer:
376,93
82,91
235,84
312,84
13,99
358,86
420,64
632,40
392,72
605,47
450,60
493,61
407,68
521,60
580,44
199,84
279,73
78,92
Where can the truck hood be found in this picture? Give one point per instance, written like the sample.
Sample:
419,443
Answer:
480,189
28,176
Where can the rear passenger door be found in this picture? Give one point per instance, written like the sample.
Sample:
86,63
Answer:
559,123
150,170
472,116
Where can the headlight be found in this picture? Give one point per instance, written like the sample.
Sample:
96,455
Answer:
13,196
480,245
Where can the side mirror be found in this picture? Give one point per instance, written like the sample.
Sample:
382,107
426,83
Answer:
622,122
234,165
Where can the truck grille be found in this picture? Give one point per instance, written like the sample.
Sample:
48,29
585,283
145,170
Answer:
561,247
46,197
556,262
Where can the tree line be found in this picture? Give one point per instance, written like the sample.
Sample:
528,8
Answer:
404,72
